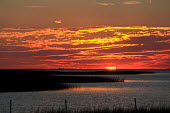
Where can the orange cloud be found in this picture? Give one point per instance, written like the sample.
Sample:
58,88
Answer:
58,21
35,6
85,47
105,4
132,2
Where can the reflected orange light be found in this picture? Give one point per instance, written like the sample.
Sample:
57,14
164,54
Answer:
97,89
110,68
144,81
80,89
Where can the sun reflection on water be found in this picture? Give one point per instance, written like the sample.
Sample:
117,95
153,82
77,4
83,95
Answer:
95,89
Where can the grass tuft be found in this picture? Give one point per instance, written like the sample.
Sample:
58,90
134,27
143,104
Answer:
115,110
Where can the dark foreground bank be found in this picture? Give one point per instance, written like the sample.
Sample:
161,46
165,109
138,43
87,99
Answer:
32,80
115,110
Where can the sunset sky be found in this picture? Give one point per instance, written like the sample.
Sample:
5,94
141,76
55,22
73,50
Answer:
85,34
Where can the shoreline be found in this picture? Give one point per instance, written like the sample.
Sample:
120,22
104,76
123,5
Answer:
26,80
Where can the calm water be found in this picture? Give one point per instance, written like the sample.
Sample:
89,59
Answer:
149,89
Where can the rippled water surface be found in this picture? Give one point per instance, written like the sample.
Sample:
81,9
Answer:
148,89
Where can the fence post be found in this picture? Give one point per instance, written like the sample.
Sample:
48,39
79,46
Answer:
135,104
66,105
10,107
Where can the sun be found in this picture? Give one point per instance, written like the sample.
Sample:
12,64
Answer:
110,68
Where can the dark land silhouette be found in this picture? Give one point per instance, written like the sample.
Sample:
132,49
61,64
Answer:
18,80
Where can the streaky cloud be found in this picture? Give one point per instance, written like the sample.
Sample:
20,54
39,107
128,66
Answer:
85,47
105,4
132,2
36,6
58,21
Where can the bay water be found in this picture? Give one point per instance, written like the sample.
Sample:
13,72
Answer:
148,89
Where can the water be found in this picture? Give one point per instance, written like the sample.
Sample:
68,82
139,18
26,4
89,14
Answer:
149,89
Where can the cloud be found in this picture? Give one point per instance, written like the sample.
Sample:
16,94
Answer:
132,2
150,1
35,6
85,47
105,4
58,21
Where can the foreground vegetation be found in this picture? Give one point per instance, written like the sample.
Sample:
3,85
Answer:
115,110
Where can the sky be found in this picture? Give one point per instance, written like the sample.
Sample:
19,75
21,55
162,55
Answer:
84,34
69,13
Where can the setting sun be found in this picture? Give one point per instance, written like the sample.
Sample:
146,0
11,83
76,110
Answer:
110,68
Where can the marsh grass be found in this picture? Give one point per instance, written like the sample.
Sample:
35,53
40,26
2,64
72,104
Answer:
114,110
